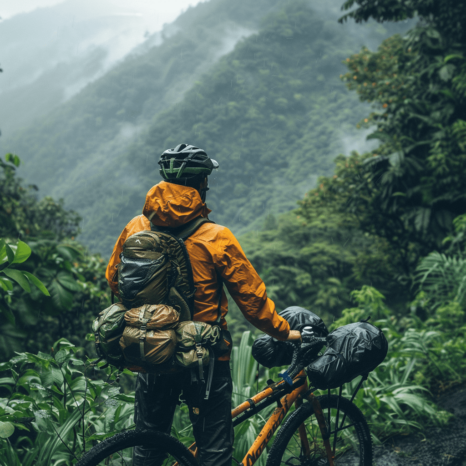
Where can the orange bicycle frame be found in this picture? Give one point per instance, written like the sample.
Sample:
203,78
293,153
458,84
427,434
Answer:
284,404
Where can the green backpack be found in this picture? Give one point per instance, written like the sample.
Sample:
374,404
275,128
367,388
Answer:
155,269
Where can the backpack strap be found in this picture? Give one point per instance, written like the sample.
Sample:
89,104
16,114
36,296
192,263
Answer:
191,227
142,337
184,231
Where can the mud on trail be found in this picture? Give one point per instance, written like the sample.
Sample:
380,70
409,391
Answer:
439,446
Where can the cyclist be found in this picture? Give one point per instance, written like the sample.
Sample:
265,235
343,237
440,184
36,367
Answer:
214,252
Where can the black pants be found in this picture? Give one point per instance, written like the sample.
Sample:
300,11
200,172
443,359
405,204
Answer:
156,400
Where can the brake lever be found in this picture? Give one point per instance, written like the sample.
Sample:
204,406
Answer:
285,375
302,352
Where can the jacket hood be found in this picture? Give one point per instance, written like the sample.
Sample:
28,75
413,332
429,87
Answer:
172,205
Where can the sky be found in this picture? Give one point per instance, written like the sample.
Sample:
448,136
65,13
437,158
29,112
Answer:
167,10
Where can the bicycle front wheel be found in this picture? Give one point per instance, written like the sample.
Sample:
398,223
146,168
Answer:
118,450
299,441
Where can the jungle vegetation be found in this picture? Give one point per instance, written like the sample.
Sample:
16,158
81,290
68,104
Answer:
383,235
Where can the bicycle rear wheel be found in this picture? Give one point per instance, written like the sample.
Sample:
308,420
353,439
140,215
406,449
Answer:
118,450
351,443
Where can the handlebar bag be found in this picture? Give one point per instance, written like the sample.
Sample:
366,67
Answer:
273,353
352,350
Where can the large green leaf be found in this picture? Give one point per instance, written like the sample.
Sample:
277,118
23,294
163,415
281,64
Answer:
68,281
6,284
68,252
23,251
9,253
6,311
50,376
3,255
6,429
19,278
35,281
61,297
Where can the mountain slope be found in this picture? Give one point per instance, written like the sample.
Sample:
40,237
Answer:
273,112
99,123
51,53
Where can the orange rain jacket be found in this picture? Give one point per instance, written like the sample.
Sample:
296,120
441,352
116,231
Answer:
212,249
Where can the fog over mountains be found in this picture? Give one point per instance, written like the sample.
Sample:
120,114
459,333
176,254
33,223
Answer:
51,53
91,103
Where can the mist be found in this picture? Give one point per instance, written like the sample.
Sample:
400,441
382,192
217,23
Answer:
51,53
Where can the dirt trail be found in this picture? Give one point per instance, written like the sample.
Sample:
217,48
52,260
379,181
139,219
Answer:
444,446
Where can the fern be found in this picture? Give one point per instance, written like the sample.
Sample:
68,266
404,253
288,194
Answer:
442,278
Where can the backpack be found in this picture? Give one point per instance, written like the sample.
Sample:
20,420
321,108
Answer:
352,350
155,268
155,282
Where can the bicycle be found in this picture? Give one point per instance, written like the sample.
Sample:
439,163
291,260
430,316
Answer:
305,438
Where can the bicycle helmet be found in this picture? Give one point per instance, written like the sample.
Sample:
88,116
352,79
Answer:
185,162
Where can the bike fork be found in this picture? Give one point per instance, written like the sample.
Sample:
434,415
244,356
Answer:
302,432
323,427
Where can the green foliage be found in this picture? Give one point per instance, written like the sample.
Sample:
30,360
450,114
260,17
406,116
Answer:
396,396
306,263
10,255
21,214
33,318
53,407
405,194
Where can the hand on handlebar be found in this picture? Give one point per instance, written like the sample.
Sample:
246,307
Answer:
294,335
306,349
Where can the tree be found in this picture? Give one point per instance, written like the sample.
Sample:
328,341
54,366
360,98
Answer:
74,278
409,190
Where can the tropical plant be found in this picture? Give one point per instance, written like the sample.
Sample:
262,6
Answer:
407,191
74,278
244,372
54,408
9,256
442,277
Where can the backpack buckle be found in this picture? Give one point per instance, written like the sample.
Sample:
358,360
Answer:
143,330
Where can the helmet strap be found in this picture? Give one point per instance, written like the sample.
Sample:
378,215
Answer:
203,190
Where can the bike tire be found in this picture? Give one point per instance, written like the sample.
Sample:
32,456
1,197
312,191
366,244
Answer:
280,447
130,439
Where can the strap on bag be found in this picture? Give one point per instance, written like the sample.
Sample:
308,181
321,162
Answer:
211,374
199,361
142,339
142,336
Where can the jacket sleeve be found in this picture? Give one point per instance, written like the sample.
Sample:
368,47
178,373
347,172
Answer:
247,288
139,223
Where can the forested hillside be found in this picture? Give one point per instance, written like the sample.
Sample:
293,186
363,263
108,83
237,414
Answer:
87,133
273,113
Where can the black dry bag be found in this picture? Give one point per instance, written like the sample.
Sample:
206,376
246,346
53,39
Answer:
273,353
352,350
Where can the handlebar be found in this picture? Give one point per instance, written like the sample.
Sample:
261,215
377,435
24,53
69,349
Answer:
303,354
